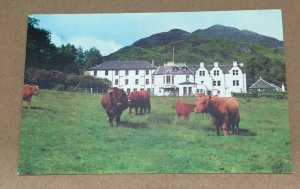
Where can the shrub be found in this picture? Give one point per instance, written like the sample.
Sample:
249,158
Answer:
59,81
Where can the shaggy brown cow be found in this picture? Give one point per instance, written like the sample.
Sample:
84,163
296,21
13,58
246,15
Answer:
28,92
224,111
114,102
139,99
183,109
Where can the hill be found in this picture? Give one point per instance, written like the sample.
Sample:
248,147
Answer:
262,55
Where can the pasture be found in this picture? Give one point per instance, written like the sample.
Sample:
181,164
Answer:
69,133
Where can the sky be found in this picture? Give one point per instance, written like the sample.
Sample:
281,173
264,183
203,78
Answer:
110,32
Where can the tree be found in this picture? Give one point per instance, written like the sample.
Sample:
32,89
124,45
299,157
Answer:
92,58
39,49
80,62
66,59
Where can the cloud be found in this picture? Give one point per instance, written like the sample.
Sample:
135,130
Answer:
105,47
86,42
56,40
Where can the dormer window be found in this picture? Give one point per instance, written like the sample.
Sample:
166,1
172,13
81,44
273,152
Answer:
184,69
175,69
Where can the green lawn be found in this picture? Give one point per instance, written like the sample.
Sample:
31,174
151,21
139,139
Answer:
69,133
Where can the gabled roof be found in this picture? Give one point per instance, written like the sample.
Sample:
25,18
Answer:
224,68
262,84
123,65
162,70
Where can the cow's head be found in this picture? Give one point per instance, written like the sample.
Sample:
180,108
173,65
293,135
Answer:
202,102
34,89
117,96
191,107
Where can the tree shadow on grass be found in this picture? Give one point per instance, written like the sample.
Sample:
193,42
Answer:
129,124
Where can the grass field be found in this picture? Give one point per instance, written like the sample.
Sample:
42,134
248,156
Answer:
69,133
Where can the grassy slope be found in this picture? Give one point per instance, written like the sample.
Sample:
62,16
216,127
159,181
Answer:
68,133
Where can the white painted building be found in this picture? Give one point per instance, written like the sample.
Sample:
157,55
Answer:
128,75
173,78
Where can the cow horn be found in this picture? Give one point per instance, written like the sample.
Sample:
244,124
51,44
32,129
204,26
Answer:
109,91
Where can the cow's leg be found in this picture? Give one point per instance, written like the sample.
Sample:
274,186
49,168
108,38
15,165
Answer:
118,119
136,109
110,118
218,129
237,129
29,104
141,109
178,116
130,110
225,129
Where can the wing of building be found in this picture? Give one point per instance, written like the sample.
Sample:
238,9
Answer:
173,78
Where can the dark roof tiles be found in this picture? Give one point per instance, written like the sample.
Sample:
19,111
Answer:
262,84
123,65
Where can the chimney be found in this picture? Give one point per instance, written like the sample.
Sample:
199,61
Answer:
234,63
201,64
152,62
216,64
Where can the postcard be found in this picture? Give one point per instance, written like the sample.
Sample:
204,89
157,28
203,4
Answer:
165,92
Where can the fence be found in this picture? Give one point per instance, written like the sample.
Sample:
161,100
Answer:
86,90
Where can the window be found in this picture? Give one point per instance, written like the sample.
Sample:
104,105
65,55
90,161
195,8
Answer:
175,69
201,73
117,72
235,72
136,81
95,73
128,91
214,83
134,89
136,72
190,90
126,81
216,72
187,77
147,81
147,72
126,72
141,89
168,79
148,90
184,91
236,82
219,83
116,81
106,72
152,80
202,82
183,69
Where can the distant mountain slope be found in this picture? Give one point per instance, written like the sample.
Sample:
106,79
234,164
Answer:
261,55
219,31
